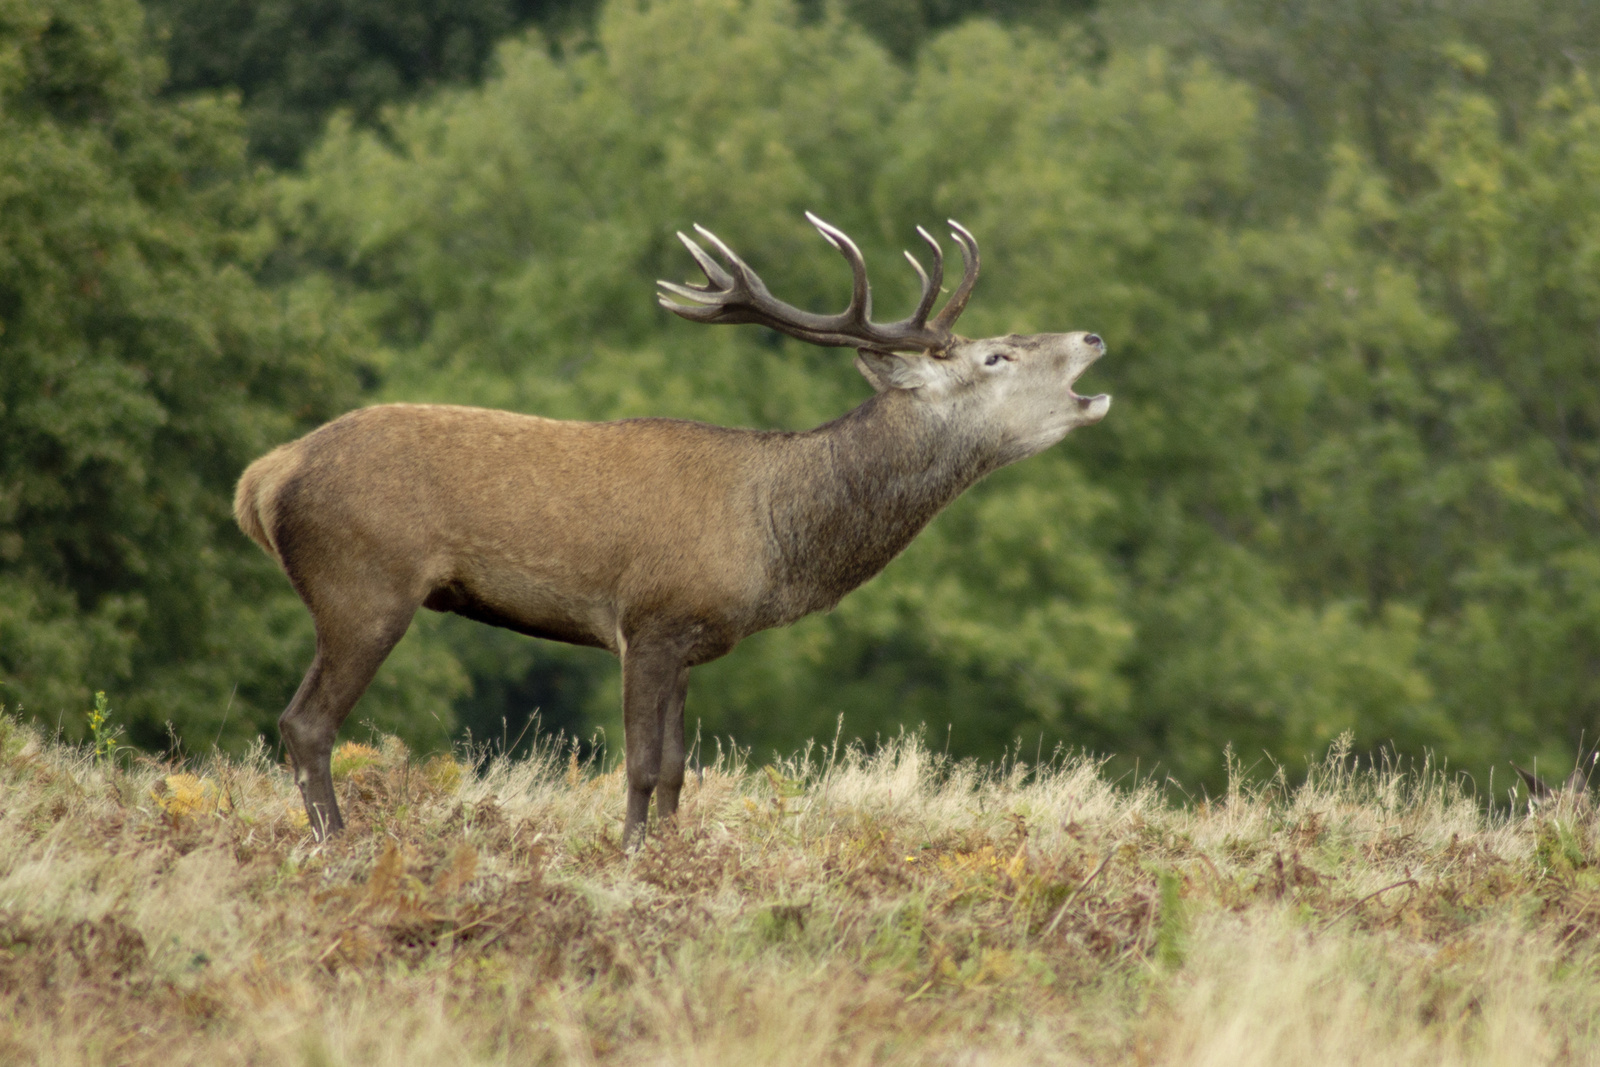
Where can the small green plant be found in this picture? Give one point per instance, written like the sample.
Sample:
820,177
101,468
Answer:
353,756
1172,936
101,731
12,734
1559,845
780,922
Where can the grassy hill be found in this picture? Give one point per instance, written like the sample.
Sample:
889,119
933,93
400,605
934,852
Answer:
842,907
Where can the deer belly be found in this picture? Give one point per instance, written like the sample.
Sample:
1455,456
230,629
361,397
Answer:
536,613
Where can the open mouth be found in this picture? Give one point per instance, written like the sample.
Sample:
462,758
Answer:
1083,401
1095,406
1086,402
1100,403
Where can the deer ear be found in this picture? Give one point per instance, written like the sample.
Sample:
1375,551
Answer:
886,370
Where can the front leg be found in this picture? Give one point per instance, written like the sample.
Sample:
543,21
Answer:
654,678
670,781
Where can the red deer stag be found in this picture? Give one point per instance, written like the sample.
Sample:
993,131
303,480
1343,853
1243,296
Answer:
665,542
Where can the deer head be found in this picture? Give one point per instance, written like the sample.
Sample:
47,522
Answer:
1018,389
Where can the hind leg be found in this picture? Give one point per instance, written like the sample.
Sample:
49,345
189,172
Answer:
346,660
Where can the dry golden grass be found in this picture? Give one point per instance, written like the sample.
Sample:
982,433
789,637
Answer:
873,909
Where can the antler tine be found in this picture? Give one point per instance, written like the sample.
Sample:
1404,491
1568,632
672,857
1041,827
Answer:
708,299
710,311
911,259
714,272
930,286
860,309
969,277
749,280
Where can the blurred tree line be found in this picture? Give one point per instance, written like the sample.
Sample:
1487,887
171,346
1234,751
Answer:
1347,258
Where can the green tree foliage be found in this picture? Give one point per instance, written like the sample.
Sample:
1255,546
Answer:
903,26
1448,146
140,368
1477,468
1365,72
295,61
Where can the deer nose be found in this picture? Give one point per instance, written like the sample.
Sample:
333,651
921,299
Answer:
1096,340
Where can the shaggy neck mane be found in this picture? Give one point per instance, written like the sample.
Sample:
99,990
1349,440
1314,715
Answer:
855,491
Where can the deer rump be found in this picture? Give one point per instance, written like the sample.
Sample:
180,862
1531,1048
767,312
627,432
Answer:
665,542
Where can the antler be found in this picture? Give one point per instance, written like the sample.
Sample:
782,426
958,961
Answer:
741,296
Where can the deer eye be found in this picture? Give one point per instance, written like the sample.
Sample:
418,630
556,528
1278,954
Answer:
994,357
